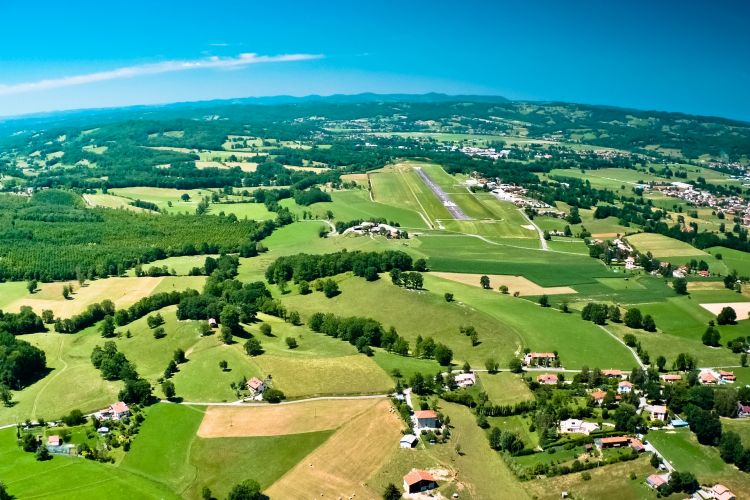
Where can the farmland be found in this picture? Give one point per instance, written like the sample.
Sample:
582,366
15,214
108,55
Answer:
400,221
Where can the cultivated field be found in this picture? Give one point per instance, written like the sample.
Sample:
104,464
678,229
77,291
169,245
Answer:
514,283
741,308
343,465
278,420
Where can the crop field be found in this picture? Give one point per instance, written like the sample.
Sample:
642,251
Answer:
122,291
283,419
181,265
505,388
514,283
343,465
111,201
732,259
682,450
663,246
163,196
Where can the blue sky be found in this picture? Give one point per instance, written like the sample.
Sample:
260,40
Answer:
676,56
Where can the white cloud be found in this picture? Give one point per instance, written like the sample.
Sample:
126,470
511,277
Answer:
213,62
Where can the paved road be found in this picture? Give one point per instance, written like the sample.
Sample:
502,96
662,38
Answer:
542,241
454,209
242,402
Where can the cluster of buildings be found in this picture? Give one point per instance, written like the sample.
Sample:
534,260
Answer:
375,229
710,376
732,206
491,153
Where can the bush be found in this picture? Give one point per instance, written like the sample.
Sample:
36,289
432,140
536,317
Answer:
586,476
291,342
273,395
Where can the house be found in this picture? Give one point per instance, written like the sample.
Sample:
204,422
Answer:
213,323
725,376
656,480
721,492
539,359
707,377
419,480
614,374
427,419
256,386
624,387
656,412
637,445
408,441
598,396
466,379
743,411
613,442
671,378
575,426
630,263
54,441
547,379
115,412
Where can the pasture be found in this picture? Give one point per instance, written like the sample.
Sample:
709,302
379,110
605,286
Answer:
505,388
111,201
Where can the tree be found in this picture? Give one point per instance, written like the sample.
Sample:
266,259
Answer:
626,419
185,197
226,335
727,316
630,340
48,316
684,362
705,424
6,396
179,356
544,301
167,388
253,347
304,287
66,292
136,391
503,289
391,492
265,329
204,329
230,318
648,323
43,454
661,362
484,281
633,318
443,355
206,493
420,265
491,365
330,288
448,297
474,338
107,328
159,333
730,447
273,396
223,365
515,365
725,402
711,336
291,342
614,314
680,286
31,286
4,495
246,490
743,359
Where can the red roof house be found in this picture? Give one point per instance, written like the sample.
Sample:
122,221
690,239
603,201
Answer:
419,480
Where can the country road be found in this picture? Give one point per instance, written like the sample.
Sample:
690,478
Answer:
538,230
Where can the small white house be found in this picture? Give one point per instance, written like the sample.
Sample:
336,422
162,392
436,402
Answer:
408,441
466,379
656,412
575,426
624,387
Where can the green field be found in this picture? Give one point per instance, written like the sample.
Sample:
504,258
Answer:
684,452
733,259
663,246
505,388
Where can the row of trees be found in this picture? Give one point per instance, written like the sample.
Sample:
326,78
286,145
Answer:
115,366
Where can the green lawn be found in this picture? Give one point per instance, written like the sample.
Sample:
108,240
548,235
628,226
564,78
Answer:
739,425
683,451
733,259
505,388
70,477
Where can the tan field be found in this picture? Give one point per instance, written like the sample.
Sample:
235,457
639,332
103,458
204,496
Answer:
514,283
361,179
111,201
706,285
306,169
741,308
124,292
245,166
280,420
342,466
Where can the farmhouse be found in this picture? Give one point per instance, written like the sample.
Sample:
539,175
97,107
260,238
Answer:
656,480
656,412
408,441
670,378
419,480
547,379
115,412
721,492
726,376
707,377
466,379
256,386
598,396
54,441
427,419
624,387
619,442
575,426
539,359
614,374
743,411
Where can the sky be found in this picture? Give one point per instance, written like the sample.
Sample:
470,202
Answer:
683,56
